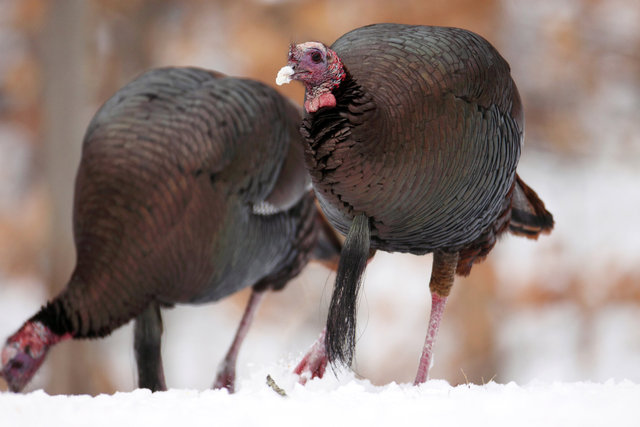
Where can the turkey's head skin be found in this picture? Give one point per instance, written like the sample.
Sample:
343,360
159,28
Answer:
25,351
319,69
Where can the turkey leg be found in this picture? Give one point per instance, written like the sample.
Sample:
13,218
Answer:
442,274
146,344
226,377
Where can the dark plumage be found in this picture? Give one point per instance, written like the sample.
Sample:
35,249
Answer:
415,132
191,187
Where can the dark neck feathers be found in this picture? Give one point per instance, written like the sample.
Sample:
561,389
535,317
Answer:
333,124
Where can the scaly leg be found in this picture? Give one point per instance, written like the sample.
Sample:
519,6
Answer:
226,377
146,345
442,275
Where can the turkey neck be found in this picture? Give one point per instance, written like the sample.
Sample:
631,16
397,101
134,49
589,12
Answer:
334,134
329,127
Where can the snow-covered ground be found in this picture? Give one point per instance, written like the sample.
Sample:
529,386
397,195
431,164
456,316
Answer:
329,402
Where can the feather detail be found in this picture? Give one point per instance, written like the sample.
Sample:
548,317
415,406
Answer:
529,217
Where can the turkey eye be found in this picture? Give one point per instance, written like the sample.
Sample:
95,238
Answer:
316,57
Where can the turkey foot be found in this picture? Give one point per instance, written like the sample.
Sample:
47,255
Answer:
314,363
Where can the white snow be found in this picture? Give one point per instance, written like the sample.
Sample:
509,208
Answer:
329,401
284,75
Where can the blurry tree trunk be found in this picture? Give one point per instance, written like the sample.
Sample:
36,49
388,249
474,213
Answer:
131,44
63,52
66,44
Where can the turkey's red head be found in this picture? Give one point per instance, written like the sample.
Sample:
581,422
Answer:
24,352
318,68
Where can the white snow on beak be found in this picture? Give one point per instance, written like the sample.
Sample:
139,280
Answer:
284,75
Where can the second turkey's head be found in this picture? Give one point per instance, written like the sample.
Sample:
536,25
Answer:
318,68
24,352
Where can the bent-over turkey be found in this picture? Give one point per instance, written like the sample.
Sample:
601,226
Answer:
191,187
413,135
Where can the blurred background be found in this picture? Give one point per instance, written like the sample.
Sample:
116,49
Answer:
565,308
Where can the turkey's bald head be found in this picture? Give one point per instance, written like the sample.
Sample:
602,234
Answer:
24,352
318,68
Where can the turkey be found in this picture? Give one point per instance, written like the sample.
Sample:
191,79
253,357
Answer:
413,135
191,187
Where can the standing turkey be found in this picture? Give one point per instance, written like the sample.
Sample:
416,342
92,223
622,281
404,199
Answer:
191,187
413,135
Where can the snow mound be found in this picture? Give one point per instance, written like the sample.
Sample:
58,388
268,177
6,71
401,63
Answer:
342,400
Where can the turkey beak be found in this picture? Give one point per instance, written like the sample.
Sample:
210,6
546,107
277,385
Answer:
288,72
8,353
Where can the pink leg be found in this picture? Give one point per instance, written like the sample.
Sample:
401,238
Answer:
314,363
437,309
442,274
226,377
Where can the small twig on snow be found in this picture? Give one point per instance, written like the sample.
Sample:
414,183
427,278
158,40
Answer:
271,383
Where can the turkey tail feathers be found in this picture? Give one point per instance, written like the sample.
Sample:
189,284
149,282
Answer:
340,339
529,217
